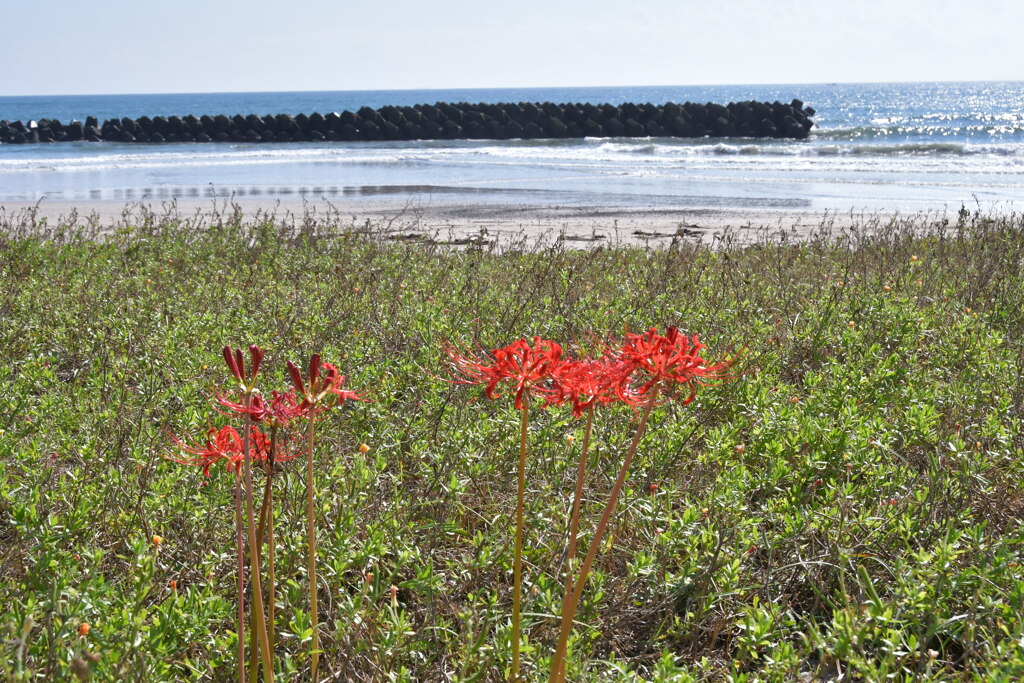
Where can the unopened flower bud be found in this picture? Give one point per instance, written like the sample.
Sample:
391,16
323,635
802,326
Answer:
240,365
256,353
314,371
229,358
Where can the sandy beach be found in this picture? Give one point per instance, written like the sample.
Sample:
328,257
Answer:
462,223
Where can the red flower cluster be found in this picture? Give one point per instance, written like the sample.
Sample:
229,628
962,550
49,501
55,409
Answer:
586,383
226,444
276,413
666,362
282,408
320,386
529,369
627,374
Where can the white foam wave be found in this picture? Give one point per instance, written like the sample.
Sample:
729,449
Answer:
605,155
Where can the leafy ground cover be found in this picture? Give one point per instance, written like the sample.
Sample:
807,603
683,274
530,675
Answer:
851,505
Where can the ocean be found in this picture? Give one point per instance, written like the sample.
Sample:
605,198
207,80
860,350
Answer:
904,147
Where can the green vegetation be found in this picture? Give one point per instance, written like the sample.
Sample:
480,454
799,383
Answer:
851,504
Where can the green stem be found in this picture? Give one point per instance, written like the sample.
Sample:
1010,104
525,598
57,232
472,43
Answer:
254,649
240,548
574,523
254,565
581,473
268,505
260,532
271,582
517,572
311,532
569,610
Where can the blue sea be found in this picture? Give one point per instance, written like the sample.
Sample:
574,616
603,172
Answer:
876,147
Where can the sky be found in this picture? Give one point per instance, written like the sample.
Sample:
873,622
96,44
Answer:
122,46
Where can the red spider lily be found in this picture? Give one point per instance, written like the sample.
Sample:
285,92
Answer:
226,444
586,383
257,408
529,369
282,408
672,359
320,386
236,364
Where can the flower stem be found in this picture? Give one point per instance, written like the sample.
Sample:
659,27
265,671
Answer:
261,531
268,500
517,571
569,610
271,583
254,563
240,549
254,648
311,532
574,523
581,473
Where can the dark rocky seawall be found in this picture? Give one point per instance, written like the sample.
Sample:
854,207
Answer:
441,121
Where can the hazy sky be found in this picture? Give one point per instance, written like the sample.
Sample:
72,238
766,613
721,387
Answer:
133,46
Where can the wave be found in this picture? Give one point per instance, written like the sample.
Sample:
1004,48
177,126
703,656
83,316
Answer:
622,154
816,149
202,156
919,148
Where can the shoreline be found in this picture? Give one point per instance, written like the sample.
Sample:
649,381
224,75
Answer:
466,222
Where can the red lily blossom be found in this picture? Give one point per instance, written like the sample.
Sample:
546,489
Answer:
666,361
528,368
586,383
282,408
320,386
226,444
257,408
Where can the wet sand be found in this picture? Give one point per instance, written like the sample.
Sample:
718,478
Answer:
466,222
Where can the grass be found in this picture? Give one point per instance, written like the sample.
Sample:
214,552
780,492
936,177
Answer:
852,505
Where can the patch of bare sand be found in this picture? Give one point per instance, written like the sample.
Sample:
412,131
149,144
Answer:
480,223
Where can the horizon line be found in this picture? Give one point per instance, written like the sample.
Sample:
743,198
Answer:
509,88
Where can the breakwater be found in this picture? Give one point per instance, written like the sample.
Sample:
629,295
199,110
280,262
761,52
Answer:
440,121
